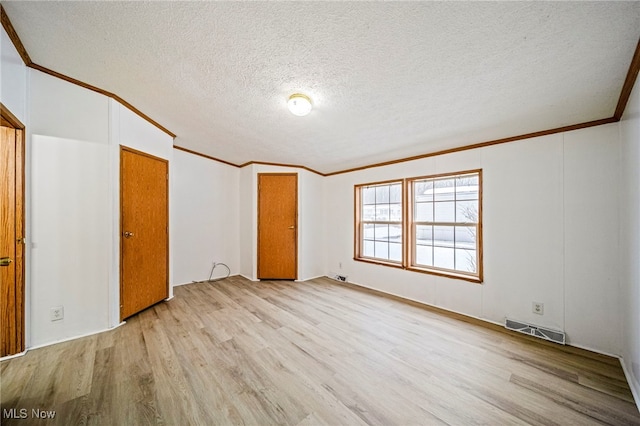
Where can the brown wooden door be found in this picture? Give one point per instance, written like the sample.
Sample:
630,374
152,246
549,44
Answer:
144,231
278,226
11,236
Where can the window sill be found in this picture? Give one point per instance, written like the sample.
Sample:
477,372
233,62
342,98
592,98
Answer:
448,274
438,272
379,262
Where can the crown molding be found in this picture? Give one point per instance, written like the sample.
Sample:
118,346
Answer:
13,35
627,87
632,74
483,144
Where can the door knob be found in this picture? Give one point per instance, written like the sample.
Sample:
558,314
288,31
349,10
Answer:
292,227
5,261
127,234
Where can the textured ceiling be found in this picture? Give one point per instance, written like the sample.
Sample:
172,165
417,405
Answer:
388,80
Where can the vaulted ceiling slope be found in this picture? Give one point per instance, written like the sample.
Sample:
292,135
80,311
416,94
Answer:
388,80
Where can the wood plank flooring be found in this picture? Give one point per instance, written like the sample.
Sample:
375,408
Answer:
275,352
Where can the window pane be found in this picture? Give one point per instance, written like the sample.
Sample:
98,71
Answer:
395,193
395,252
424,234
443,257
466,260
467,211
395,233
382,232
395,212
467,187
424,255
423,190
368,195
382,212
368,212
368,231
381,203
445,212
382,194
444,189
466,237
382,250
424,212
368,249
443,236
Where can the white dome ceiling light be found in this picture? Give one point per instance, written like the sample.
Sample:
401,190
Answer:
299,104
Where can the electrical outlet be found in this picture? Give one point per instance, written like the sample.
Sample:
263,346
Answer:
538,308
57,313
339,265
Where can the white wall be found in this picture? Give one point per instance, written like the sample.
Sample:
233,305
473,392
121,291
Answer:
630,240
70,209
130,130
538,238
70,237
522,231
204,217
591,256
311,253
13,79
248,222
61,109
310,221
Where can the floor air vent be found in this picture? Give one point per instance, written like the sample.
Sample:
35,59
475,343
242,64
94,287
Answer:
534,330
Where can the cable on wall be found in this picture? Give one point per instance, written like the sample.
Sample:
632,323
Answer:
211,274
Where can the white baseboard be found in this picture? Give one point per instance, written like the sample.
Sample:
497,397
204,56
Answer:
309,278
18,355
633,384
418,301
67,339
213,279
590,349
250,279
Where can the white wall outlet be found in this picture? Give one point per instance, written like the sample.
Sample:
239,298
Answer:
57,313
538,308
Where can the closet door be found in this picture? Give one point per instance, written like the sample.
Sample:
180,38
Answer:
277,226
144,231
11,236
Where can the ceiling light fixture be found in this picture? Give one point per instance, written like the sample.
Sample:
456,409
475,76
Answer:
299,104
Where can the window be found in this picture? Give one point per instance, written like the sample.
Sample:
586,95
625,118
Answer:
380,222
438,230
445,223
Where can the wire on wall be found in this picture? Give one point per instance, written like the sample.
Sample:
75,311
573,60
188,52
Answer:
210,280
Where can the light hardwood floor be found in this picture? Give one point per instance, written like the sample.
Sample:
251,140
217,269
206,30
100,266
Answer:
241,352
